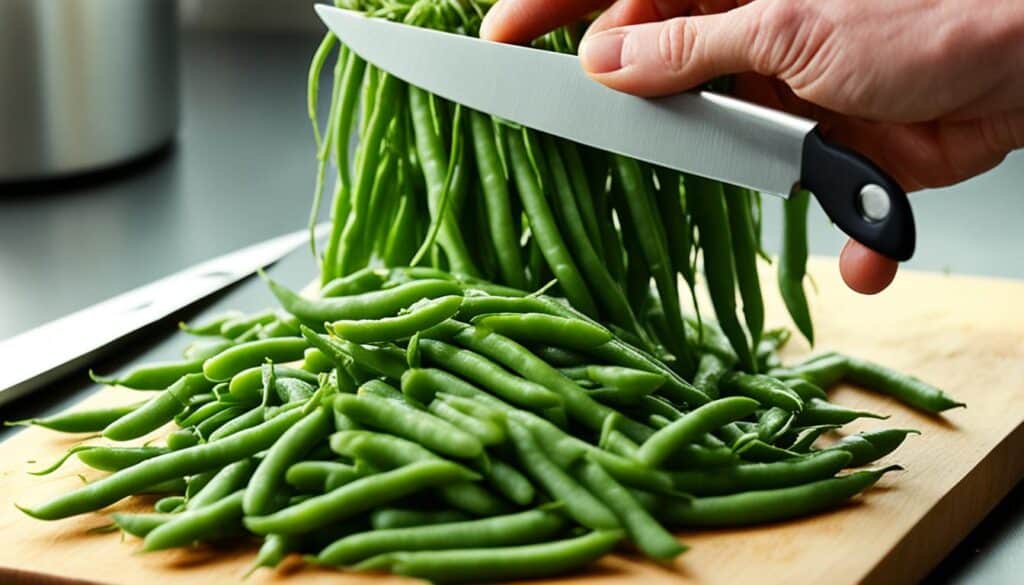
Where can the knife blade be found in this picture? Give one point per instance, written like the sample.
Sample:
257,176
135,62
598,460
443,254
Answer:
703,133
43,354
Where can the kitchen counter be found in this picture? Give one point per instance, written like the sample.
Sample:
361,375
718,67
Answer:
241,171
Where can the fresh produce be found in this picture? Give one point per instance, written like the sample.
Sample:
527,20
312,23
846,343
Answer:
499,378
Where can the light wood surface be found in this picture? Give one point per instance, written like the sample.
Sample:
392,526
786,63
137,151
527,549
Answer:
963,334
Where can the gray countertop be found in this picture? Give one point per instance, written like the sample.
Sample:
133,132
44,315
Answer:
241,172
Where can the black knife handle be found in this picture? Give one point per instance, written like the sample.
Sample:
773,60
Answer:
859,197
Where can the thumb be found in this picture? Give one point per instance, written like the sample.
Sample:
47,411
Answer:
674,55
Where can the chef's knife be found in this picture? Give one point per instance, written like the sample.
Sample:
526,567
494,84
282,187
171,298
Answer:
49,351
703,133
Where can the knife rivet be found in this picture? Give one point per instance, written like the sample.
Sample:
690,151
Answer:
874,202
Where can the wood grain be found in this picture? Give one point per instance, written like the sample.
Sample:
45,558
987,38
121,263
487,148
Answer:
964,334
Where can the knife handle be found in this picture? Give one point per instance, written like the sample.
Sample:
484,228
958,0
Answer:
860,198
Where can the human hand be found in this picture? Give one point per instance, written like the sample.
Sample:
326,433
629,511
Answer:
930,90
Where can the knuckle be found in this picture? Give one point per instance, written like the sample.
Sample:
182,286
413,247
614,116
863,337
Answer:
677,41
788,36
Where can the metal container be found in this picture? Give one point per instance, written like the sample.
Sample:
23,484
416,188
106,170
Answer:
85,84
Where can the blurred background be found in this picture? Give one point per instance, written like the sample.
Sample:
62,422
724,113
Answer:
259,15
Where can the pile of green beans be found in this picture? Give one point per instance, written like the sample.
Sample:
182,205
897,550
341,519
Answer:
457,432
428,415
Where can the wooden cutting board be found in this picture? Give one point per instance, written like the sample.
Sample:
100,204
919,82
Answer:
963,334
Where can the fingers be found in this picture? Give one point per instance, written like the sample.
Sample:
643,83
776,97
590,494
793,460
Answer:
864,270
667,57
520,21
626,12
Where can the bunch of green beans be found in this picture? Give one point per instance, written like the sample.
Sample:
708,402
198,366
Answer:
451,432
428,415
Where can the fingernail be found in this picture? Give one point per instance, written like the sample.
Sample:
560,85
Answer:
603,53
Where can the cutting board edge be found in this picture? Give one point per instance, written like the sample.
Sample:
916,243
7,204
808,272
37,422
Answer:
922,542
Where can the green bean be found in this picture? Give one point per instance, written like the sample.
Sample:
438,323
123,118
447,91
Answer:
353,241
169,504
360,495
765,389
253,417
429,430
493,179
486,431
420,316
139,524
630,380
824,370
820,412
479,369
171,465
513,529
500,563
805,389
117,458
473,408
435,165
273,550
206,428
757,450
391,518
649,536
902,387
247,385
80,421
152,376
246,355
559,357
158,411
707,206
519,359
182,438
774,423
379,359
210,326
203,350
579,503
233,328
793,262
293,390
348,90
761,476
581,239
387,451
543,226
320,476
197,524
381,389
542,328
772,505
744,246
473,306
423,384
685,430
363,280
801,440
292,445
510,482
870,446
710,370
193,417
677,227
222,483
369,305
654,251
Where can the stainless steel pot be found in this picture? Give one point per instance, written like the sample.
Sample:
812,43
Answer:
84,84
